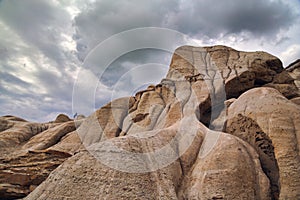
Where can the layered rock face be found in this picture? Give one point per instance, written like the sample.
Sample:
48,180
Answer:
223,124
30,151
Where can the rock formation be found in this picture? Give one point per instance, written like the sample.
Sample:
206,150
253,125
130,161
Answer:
30,151
223,124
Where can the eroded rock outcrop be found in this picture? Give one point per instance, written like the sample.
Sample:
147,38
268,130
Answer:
30,151
223,124
270,123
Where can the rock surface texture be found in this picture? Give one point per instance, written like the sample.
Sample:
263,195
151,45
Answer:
223,124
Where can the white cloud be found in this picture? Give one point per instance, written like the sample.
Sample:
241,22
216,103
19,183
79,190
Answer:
38,60
291,53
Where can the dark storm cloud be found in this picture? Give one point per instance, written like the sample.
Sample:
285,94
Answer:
106,18
196,18
213,17
134,59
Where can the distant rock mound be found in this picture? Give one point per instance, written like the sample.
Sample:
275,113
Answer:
62,118
223,124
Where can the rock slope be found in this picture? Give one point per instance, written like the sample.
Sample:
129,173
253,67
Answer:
223,124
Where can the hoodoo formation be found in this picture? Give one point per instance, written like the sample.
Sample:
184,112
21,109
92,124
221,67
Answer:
222,124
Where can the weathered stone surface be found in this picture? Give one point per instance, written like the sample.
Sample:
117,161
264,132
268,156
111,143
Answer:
248,130
20,132
29,152
240,71
62,118
296,100
285,83
49,137
294,71
88,173
80,117
23,171
271,123
70,143
230,171
166,142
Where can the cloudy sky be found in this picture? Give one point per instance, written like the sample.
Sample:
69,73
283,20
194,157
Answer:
54,53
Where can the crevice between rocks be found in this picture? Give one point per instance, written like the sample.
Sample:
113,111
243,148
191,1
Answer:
249,131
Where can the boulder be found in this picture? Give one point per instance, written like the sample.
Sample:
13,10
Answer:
268,121
62,118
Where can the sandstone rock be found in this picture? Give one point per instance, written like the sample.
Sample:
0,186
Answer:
29,152
80,117
13,118
166,142
62,118
49,137
294,71
270,122
20,173
70,143
5,124
165,182
296,100
20,132
240,71
230,171
288,90
285,83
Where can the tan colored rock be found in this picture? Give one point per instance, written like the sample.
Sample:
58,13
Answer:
5,124
134,123
19,173
248,130
165,142
80,117
288,90
25,161
163,183
13,118
105,123
240,70
285,84
296,100
62,118
276,134
70,143
20,132
49,137
294,71
231,170
95,181
89,173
